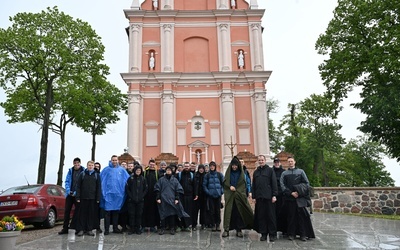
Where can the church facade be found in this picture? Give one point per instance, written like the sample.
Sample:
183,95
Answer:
196,80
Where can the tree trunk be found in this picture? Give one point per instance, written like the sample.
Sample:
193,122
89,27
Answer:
43,153
93,146
45,135
63,126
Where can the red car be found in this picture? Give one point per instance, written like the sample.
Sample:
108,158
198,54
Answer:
39,205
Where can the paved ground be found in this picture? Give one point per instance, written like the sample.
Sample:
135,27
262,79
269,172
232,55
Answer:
333,231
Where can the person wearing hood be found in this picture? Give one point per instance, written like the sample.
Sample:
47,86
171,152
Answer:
212,186
238,214
167,191
70,193
123,217
201,203
88,194
113,179
151,218
136,189
264,194
161,171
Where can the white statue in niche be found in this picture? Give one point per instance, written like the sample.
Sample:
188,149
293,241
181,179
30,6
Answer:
233,4
241,59
152,61
198,157
155,4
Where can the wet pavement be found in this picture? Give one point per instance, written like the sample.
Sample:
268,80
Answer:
333,231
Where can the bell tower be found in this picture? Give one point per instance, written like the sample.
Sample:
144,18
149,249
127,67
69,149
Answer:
196,80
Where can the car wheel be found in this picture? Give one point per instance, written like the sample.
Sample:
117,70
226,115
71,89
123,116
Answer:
51,219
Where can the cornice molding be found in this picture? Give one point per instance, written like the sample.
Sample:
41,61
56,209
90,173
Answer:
132,13
200,78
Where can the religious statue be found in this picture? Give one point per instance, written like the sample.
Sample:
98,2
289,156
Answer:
152,61
241,59
233,4
155,4
198,157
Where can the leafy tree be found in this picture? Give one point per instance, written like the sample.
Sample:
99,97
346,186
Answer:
275,135
100,109
363,162
42,56
318,115
362,43
295,141
312,134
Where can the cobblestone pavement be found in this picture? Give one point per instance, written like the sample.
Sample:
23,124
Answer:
333,231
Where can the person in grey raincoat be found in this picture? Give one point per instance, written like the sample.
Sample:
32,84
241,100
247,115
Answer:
167,191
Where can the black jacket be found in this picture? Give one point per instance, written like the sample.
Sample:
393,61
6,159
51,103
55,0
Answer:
198,189
278,173
264,183
303,190
88,186
186,179
290,178
136,188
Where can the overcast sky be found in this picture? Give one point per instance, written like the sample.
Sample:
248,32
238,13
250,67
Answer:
291,28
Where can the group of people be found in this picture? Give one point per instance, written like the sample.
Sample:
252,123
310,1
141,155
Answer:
181,197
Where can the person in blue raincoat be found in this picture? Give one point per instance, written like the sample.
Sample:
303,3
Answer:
113,179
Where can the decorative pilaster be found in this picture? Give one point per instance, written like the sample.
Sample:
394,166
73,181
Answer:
206,161
256,47
135,45
167,45
134,107
224,46
262,139
167,124
228,123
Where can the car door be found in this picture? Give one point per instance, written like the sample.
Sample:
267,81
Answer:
57,200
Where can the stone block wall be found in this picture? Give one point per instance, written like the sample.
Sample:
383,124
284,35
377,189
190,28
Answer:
369,200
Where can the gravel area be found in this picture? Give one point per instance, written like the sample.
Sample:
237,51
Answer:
31,233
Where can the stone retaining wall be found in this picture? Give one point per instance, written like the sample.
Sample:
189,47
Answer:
369,200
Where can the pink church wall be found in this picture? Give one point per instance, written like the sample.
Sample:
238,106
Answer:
153,113
199,35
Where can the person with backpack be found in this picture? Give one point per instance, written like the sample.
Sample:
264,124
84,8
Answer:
186,179
88,194
212,186
248,179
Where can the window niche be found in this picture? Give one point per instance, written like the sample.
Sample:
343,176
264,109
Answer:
198,127
152,59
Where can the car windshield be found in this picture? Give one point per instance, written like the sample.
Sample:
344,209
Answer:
21,190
